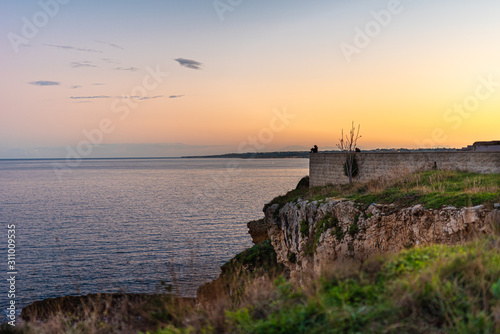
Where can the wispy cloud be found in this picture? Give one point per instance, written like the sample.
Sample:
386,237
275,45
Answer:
90,97
132,69
114,97
110,44
69,47
152,97
110,61
76,86
85,63
175,96
193,64
45,83
97,84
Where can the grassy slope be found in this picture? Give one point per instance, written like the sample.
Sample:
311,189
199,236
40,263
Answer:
424,290
255,262
433,189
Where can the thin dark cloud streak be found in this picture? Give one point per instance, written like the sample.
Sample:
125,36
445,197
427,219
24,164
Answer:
114,97
131,69
189,63
152,97
85,63
69,47
175,96
44,83
90,97
109,44
110,61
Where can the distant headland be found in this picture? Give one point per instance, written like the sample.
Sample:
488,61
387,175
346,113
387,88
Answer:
480,146
305,154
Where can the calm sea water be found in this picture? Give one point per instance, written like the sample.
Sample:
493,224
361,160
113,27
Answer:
127,225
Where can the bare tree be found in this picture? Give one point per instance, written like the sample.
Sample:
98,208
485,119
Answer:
348,145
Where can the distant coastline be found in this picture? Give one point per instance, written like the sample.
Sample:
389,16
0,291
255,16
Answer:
305,154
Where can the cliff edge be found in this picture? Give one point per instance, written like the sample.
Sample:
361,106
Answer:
313,229
309,237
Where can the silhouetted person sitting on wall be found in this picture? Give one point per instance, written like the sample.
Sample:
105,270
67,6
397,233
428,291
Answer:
358,150
314,149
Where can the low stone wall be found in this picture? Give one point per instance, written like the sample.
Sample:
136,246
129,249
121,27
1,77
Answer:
328,168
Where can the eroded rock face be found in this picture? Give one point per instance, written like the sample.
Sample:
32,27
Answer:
258,231
309,236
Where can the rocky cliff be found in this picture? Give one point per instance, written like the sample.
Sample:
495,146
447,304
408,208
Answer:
309,236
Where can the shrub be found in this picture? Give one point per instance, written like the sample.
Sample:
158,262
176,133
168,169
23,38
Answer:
355,167
304,228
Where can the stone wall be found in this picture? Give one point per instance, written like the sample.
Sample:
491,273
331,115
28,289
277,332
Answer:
327,168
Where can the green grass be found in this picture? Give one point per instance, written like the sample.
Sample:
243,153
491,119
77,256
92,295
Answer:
260,257
432,289
434,189
435,289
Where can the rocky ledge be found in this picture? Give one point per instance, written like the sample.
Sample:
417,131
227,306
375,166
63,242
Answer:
308,237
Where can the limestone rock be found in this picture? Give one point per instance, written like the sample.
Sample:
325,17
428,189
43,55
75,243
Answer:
310,236
258,231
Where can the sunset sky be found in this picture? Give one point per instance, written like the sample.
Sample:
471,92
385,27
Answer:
244,75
